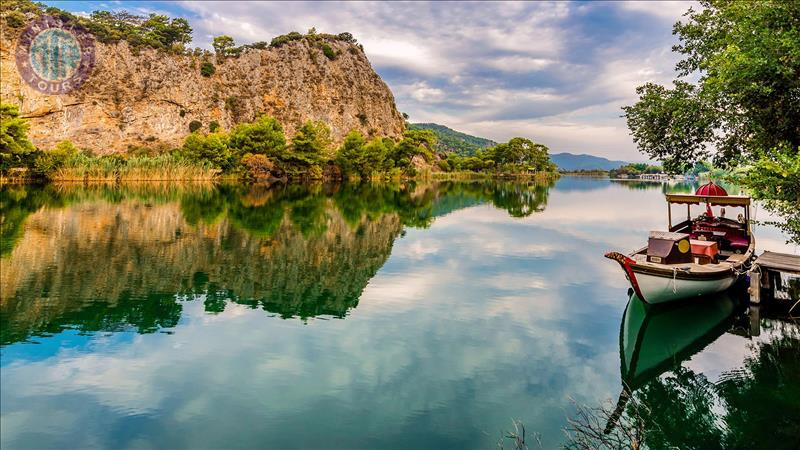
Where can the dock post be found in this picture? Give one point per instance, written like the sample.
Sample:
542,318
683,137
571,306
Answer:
755,320
755,286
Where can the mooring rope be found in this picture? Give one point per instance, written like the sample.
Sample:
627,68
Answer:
674,276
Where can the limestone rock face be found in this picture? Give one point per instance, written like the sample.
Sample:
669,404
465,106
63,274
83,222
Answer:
148,98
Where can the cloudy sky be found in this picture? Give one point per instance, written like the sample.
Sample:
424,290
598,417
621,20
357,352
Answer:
555,72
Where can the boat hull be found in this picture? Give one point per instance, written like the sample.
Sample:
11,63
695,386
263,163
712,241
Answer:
655,289
656,284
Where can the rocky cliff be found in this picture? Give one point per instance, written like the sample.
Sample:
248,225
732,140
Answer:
148,97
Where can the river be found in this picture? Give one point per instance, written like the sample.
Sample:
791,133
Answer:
417,315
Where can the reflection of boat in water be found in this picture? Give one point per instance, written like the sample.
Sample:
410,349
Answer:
655,339
696,257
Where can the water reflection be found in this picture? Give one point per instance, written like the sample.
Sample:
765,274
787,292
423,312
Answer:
673,406
113,258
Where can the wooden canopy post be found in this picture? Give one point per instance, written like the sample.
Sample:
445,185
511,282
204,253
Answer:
669,215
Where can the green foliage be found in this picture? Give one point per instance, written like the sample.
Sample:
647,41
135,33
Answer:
213,126
775,179
223,45
414,142
357,158
673,125
261,45
634,170
748,58
312,35
50,161
451,141
15,148
349,154
263,137
207,69
346,37
15,19
154,31
744,106
311,145
279,41
328,51
195,125
211,148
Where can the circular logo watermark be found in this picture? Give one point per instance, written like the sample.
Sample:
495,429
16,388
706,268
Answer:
54,56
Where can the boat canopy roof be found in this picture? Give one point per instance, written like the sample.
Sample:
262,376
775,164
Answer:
721,200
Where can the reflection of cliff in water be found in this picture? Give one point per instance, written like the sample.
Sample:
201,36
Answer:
116,258
109,266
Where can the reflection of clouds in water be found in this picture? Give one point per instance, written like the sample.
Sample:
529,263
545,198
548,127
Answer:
431,340
473,321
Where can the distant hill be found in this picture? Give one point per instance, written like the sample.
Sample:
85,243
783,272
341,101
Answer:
452,141
569,161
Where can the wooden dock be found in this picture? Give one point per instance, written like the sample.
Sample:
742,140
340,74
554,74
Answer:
765,274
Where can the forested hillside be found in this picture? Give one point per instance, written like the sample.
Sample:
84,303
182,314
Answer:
452,141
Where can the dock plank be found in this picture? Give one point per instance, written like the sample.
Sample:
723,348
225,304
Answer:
779,261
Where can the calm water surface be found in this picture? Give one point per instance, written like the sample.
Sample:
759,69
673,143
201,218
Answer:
408,316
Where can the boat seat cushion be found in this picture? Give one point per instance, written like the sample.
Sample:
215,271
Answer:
739,242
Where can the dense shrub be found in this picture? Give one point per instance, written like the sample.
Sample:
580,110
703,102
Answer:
258,166
207,69
213,126
263,137
278,41
211,148
49,161
195,125
15,19
328,51
346,37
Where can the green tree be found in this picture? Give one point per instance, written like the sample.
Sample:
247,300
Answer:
744,109
211,147
15,148
263,137
349,155
414,142
223,45
310,146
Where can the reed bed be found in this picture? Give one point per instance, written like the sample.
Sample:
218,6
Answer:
166,167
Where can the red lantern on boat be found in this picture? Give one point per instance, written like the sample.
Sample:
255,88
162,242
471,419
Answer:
710,189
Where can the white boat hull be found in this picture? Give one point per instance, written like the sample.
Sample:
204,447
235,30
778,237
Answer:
656,289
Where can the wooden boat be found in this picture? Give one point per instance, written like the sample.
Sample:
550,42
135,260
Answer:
656,339
696,257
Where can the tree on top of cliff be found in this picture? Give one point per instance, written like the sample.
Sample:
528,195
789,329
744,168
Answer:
155,30
223,45
313,36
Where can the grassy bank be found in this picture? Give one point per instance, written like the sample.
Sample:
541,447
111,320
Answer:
138,168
